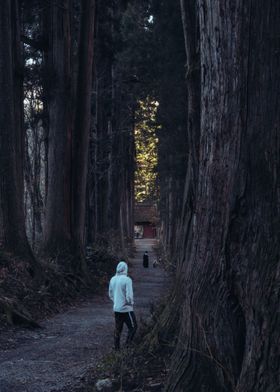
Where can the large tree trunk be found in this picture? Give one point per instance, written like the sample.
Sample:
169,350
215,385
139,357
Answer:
82,123
101,136
190,20
229,338
12,222
172,115
69,125
57,231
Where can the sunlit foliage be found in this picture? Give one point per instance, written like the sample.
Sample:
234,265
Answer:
146,145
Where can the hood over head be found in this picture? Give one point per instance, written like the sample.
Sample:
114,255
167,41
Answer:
122,268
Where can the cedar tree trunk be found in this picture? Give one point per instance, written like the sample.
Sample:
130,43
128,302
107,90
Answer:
12,222
229,328
57,231
82,123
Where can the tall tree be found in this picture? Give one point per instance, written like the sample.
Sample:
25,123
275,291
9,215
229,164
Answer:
110,179
69,106
172,116
12,222
190,22
57,231
229,338
82,123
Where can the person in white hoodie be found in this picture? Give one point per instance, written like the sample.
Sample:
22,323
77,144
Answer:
121,293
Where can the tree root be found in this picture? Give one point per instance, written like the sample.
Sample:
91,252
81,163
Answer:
16,313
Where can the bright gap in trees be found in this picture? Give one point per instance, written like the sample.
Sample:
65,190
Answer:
146,174
146,146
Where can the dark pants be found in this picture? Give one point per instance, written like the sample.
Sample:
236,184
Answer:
129,319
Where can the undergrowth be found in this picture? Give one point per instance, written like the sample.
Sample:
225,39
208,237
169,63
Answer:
23,299
141,368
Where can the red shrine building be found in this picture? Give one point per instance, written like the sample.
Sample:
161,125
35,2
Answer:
146,220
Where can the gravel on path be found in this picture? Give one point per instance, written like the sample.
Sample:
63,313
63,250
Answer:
73,342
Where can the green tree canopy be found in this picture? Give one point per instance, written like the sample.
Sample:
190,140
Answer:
146,145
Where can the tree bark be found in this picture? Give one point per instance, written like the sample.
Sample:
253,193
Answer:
12,222
57,230
190,21
82,123
229,337
174,141
69,105
101,159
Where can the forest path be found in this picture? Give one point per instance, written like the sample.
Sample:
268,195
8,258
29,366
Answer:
73,342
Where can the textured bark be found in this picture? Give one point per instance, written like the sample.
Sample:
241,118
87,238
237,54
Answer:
58,209
189,10
229,338
172,115
190,20
12,223
82,123
69,105
102,138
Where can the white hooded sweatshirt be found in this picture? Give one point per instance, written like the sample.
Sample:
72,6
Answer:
120,290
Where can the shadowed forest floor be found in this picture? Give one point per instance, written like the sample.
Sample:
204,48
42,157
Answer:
73,342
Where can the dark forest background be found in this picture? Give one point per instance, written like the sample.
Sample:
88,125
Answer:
77,78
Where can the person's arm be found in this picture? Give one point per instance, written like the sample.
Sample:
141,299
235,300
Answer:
111,293
129,292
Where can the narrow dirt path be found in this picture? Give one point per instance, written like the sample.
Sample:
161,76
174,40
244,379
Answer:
73,342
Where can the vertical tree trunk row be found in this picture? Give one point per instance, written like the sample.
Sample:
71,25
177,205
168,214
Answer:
69,127
12,222
110,193
63,39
